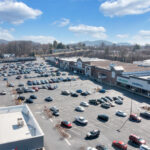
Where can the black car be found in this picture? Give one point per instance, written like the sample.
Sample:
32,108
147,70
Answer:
84,93
33,97
100,101
101,147
103,117
145,115
93,134
74,94
109,98
93,102
55,113
29,100
48,99
21,98
19,91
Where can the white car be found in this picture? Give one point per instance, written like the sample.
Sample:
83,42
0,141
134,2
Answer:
144,147
3,93
81,120
85,104
91,148
121,113
79,108
120,102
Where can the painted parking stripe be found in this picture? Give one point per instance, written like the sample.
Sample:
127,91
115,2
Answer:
68,142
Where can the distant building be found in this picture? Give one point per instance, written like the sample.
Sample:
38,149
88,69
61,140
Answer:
8,55
61,50
19,130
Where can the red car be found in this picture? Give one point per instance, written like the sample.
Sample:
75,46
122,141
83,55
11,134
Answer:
120,145
66,124
36,89
135,117
137,140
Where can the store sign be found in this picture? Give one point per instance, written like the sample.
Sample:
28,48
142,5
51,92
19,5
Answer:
122,80
79,64
137,84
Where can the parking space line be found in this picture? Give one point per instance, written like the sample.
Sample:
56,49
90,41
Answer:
51,120
68,142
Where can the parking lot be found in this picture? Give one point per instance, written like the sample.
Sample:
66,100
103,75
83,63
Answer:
117,128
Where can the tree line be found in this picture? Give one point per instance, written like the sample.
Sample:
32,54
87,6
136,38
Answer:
29,48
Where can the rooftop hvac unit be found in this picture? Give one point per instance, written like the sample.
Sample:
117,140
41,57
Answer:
20,122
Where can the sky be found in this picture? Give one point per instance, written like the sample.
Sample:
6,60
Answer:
71,21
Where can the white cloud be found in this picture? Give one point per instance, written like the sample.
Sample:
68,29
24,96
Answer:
62,22
143,37
40,38
95,32
16,12
122,36
6,34
125,7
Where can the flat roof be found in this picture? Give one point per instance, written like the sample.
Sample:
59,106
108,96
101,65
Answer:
84,59
145,77
128,67
10,131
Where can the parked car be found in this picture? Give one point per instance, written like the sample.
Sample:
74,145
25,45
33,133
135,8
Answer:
118,101
54,108
48,99
73,94
81,120
109,98
36,89
121,113
100,101
79,108
144,147
55,111
18,77
3,92
102,90
66,124
85,104
135,117
33,97
85,93
29,100
145,114
79,91
120,97
93,102
66,92
21,84
103,117
136,140
11,85
21,98
105,105
101,147
91,148
120,145
93,134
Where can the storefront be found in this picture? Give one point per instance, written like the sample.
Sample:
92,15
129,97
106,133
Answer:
135,84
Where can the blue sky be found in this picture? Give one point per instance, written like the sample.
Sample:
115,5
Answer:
72,21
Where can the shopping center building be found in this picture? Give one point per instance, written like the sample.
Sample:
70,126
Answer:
133,77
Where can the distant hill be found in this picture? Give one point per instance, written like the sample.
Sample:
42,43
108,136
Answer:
3,41
123,44
99,43
96,43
